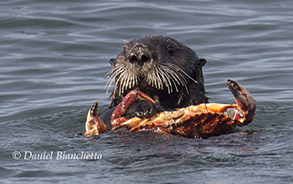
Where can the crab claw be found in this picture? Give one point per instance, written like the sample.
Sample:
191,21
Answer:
94,125
126,102
246,104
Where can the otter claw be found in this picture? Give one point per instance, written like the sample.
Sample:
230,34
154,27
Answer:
246,104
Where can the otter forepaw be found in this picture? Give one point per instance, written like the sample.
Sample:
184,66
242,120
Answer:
141,109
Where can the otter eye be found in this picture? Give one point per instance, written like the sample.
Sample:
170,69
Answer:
171,50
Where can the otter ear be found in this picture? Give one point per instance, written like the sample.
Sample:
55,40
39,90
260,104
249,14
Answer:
201,62
113,61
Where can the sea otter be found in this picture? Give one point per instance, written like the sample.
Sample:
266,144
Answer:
161,67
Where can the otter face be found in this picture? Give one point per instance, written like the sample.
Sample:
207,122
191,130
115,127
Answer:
159,66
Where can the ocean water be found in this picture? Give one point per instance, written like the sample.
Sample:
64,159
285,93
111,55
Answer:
53,60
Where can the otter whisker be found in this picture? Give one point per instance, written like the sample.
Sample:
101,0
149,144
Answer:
167,77
182,71
133,81
121,89
129,81
121,81
165,82
158,76
182,81
112,75
150,80
136,80
156,80
127,78
112,71
174,76
173,79
178,71
181,75
164,75
178,78
125,82
109,84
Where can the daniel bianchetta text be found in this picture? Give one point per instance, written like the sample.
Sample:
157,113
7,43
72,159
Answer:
56,155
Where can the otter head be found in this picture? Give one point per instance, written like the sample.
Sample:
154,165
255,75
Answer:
161,67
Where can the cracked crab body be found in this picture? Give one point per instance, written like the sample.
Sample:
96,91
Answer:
203,120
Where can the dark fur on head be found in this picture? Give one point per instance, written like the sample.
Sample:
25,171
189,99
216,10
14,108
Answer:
161,67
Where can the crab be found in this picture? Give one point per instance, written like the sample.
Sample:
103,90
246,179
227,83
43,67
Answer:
203,120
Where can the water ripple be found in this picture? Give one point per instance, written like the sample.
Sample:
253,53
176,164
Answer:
54,56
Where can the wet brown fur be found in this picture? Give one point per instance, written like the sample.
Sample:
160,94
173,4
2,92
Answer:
159,51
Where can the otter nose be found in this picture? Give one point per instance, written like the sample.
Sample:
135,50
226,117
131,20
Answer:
139,55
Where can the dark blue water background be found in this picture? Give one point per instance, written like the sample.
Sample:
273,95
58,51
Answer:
53,60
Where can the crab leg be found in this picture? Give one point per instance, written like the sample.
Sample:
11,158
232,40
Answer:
126,102
246,104
201,120
242,112
94,125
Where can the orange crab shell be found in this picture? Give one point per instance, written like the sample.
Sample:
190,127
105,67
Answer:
202,120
